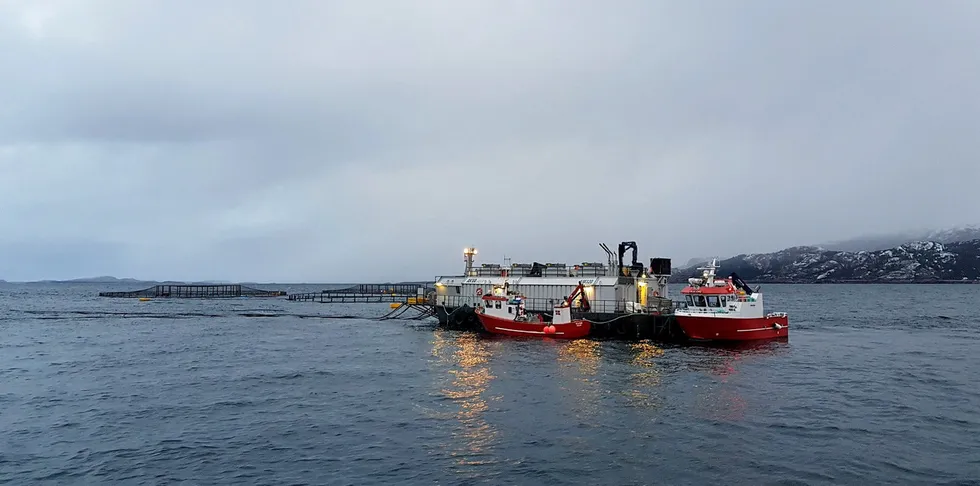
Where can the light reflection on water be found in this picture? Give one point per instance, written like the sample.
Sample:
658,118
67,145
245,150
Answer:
466,375
467,357
584,354
578,364
721,399
646,376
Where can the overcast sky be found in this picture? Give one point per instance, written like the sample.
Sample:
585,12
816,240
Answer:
372,140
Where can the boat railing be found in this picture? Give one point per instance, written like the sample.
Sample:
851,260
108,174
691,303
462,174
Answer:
539,304
546,271
740,298
682,304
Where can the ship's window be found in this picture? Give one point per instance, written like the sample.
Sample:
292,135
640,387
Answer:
724,301
690,300
712,301
497,304
699,301
510,310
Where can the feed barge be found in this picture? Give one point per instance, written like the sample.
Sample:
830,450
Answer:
621,299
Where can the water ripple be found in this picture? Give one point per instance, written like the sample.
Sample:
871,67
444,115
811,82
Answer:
271,392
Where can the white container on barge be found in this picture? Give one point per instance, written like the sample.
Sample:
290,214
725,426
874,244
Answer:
611,288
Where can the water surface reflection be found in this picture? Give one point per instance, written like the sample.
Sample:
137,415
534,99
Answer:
467,358
646,376
722,397
578,364
724,359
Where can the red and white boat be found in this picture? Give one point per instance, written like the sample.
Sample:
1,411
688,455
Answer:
502,312
727,310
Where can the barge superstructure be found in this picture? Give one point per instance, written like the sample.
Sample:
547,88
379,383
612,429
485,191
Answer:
614,289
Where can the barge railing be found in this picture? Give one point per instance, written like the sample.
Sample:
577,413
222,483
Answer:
660,305
358,298
397,289
370,293
546,271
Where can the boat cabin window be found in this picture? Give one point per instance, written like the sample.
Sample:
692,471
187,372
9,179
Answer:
712,301
690,300
497,304
510,309
699,301
724,301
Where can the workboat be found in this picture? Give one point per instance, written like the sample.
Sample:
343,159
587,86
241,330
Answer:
727,310
503,312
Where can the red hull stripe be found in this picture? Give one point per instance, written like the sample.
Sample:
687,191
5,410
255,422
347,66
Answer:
499,328
495,325
733,328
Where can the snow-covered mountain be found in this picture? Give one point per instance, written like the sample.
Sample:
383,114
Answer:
918,261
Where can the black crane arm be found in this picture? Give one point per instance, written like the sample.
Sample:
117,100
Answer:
626,245
740,284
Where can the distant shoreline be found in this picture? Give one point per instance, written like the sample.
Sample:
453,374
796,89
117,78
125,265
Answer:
863,282
904,282
208,282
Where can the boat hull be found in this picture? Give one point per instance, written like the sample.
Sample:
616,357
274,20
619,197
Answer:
703,328
573,330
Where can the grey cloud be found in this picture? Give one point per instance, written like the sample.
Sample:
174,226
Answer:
363,141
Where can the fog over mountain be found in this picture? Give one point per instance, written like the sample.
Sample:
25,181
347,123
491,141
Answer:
882,242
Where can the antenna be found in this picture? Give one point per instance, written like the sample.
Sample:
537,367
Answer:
708,271
610,257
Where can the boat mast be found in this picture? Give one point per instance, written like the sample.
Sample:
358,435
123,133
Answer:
708,272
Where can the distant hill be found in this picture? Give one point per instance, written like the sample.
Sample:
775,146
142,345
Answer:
108,279
919,261
104,279
894,240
